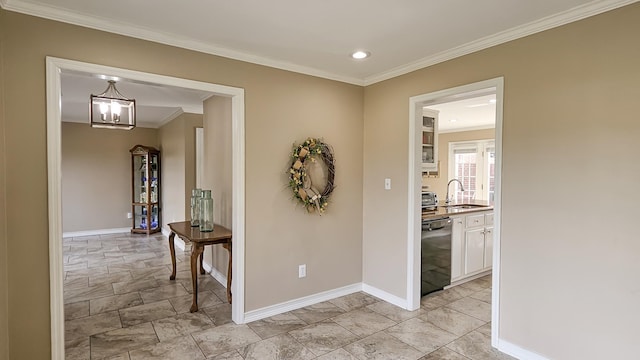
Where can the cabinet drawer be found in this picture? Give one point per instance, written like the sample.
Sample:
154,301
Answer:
475,220
488,219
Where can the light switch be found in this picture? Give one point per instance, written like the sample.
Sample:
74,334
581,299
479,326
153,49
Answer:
387,184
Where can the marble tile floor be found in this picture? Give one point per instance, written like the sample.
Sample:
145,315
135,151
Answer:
120,304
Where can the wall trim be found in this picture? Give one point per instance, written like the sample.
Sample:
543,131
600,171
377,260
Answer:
126,230
518,352
577,13
177,241
381,294
220,277
54,67
568,16
298,303
470,128
415,184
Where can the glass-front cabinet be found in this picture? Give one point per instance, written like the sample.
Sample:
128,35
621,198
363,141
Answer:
145,189
429,140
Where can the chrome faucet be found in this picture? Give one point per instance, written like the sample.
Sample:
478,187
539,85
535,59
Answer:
447,199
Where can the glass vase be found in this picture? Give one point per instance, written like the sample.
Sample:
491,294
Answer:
196,194
206,211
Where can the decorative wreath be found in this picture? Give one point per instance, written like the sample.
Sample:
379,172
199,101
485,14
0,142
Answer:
312,198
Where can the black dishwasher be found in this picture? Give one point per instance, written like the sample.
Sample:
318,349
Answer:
436,255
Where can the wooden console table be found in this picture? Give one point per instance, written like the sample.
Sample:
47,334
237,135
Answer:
219,235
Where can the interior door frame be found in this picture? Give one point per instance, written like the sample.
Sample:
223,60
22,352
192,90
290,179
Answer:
415,184
54,68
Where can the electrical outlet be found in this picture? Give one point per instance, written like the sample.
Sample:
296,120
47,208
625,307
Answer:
387,184
129,215
302,271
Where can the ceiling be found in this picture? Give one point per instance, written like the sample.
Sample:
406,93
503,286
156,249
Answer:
468,114
317,37
155,104
314,38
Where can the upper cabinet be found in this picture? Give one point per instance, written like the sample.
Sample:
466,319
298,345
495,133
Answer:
429,140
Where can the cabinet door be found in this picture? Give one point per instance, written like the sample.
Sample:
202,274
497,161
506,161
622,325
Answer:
429,139
457,248
488,247
474,250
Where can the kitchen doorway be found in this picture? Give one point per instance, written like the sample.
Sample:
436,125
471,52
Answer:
416,105
54,68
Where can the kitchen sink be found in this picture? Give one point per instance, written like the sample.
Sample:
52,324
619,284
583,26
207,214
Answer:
464,206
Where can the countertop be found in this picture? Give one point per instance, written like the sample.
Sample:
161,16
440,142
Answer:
443,211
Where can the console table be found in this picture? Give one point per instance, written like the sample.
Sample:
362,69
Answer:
219,235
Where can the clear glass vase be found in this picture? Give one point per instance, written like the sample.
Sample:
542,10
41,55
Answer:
206,211
196,194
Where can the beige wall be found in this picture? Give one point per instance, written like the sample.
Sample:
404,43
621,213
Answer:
4,321
96,175
569,245
177,146
281,108
439,184
218,171
171,139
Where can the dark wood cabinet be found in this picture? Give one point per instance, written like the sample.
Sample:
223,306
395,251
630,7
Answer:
145,189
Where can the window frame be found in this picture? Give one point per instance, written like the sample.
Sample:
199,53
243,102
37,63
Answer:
482,165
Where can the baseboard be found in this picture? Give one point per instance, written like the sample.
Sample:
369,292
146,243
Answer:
518,352
220,277
467,279
176,240
96,232
390,298
272,310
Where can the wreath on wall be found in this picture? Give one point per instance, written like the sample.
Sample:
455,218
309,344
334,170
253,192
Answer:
301,180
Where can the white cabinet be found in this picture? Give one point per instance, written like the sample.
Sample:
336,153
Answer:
474,250
471,244
457,248
429,140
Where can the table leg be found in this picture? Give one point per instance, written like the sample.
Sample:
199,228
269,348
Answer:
196,251
229,272
172,249
202,272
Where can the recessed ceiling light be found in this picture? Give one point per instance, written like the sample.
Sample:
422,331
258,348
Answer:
453,120
360,54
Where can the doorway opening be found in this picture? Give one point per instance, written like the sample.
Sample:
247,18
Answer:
54,68
492,87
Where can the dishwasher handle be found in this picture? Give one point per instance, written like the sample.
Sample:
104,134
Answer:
436,224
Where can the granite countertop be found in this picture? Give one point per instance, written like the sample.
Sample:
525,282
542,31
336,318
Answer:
451,209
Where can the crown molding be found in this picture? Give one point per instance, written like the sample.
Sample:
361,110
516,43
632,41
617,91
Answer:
179,111
577,13
113,26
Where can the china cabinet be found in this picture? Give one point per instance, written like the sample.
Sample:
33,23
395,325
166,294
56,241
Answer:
145,189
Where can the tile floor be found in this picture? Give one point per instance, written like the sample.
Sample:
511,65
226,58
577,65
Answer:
120,304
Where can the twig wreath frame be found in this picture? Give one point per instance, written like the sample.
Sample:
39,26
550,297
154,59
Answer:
312,199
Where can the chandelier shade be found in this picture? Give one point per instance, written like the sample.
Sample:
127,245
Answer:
111,110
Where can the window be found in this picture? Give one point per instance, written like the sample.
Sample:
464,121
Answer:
473,163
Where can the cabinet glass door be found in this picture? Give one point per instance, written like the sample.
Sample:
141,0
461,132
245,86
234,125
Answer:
153,178
139,179
145,217
429,142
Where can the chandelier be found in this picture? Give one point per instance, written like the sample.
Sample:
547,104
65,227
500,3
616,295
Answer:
111,110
